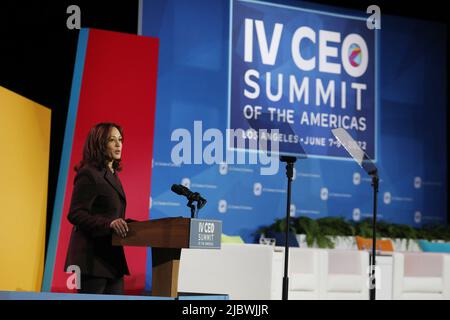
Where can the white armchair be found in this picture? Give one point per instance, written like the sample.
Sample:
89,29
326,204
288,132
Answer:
307,270
347,276
421,275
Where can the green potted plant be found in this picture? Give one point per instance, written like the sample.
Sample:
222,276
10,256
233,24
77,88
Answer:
332,232
340,231
314,235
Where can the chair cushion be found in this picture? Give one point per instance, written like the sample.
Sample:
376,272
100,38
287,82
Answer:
231,239
366,244
347,283
422,284
303,282
428,246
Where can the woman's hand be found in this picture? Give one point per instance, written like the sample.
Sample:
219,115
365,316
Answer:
120,227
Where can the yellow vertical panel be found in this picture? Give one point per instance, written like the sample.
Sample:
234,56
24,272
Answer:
24,166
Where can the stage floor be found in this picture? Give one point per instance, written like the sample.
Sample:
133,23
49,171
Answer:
21,295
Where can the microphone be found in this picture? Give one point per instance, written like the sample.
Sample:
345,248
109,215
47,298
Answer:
191,196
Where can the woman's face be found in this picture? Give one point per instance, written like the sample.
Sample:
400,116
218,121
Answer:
114,145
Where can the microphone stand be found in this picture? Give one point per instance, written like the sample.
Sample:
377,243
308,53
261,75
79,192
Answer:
369,167
193,210
375,181
289,173
200,203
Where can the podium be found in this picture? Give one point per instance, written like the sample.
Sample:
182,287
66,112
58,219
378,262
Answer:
167,236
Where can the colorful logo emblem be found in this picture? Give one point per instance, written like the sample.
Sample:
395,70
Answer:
354,55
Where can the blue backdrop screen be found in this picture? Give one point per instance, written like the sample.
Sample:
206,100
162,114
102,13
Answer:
404,104
306,71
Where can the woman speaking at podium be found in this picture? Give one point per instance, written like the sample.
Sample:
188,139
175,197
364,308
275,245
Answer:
96,210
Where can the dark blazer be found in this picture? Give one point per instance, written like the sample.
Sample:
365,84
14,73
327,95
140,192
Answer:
97,199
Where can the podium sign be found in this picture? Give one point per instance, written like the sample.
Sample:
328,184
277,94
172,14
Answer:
205,234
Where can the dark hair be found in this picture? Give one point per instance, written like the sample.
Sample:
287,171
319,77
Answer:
94,150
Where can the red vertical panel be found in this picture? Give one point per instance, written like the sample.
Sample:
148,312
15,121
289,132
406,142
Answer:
118,85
